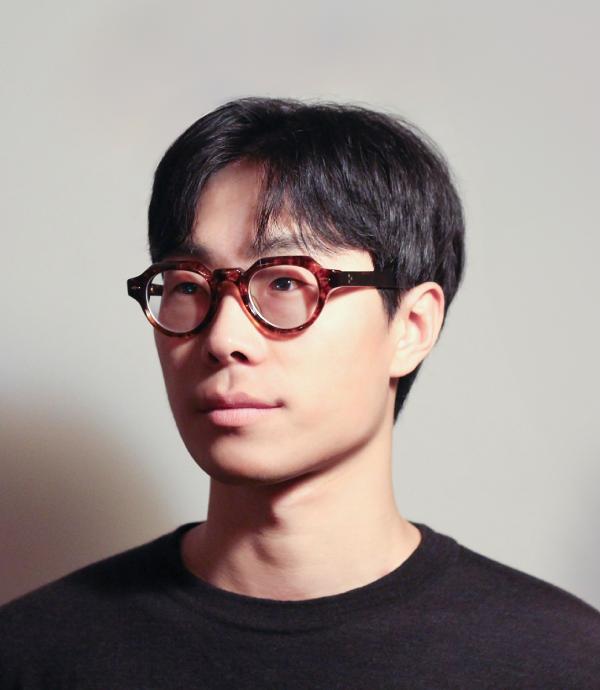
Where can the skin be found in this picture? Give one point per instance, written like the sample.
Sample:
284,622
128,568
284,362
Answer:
301,502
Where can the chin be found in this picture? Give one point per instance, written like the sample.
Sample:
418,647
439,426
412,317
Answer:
246,471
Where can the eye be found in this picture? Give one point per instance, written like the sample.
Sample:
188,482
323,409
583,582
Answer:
186,288
286,281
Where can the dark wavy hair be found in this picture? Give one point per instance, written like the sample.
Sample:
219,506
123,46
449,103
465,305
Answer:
348,177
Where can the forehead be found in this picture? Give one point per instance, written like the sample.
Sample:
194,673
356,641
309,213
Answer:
225,226
275,245
226,219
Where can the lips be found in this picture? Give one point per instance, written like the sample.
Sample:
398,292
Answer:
216,401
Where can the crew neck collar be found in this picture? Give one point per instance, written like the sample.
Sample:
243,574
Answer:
434,553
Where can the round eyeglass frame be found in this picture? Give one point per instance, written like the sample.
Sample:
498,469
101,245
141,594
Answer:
328,280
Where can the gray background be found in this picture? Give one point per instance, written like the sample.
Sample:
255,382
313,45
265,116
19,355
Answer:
499,443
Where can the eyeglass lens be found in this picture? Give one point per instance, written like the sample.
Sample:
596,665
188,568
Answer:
285,296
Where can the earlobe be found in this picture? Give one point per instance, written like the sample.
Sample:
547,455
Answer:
416,327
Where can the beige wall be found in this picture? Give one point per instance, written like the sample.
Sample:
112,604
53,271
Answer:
499,443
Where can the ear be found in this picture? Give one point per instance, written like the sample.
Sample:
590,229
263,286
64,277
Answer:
416,327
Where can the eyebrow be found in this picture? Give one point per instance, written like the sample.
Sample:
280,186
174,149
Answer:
255,251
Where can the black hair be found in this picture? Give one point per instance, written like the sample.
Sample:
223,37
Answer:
348,178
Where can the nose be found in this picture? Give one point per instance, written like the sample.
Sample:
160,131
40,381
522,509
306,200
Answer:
228,288
231,329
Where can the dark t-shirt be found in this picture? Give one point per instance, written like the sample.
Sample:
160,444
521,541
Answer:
447,617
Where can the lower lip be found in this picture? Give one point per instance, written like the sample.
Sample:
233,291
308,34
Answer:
238,416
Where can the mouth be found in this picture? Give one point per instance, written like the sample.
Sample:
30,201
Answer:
215,400
239,416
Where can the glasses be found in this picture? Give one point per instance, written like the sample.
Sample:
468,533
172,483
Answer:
282,294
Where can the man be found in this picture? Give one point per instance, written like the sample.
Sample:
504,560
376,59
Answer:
303,261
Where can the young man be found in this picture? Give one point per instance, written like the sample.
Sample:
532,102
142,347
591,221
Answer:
304,259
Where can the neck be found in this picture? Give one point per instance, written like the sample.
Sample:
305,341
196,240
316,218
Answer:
327,532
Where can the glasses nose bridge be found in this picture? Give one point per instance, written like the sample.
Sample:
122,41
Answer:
220,275
233,275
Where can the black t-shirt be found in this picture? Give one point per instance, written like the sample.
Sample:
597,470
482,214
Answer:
447,617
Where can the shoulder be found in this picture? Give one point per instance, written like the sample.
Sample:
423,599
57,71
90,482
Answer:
100,576
524,620
80,606
498,582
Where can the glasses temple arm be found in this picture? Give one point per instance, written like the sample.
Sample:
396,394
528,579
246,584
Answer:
383,279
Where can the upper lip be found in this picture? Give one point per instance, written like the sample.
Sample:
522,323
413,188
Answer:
217,401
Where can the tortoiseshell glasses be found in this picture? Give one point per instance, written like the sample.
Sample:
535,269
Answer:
283,294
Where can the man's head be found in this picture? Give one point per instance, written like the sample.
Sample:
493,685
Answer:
344,176
358,190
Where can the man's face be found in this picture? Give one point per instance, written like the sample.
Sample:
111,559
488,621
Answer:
332,379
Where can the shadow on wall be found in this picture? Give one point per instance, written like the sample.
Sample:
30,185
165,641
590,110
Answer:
70,494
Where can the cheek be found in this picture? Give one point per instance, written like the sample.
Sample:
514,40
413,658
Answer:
345,376
176,364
